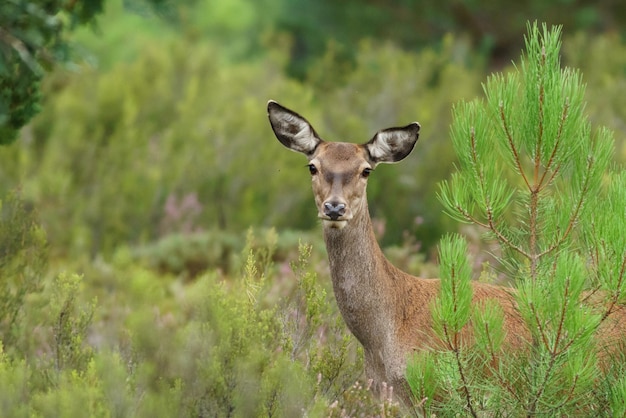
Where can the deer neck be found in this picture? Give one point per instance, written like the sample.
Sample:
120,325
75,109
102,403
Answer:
362,279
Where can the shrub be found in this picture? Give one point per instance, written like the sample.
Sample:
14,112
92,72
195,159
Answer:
152,345
23,261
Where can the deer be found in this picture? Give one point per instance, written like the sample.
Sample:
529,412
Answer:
386,309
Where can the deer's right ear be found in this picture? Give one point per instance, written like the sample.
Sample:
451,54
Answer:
292,130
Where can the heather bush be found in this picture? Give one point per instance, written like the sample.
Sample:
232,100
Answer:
23,262
126,340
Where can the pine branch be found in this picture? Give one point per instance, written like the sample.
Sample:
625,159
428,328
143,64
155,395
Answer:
535,186
533,256
616,295
468,397
574,217
490,225
537,114
452,344
503,239
509,136
557,143
542,388
503,382
569,396
542,332
452,336
564,309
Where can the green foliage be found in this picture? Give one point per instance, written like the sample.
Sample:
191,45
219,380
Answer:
135,139
423,380
451,310
190,254
606,245
23,260
70,325
489,332
35,36
19,98
492,27
149,161
555,161
267,343
532,174
617,397
31,39
231,362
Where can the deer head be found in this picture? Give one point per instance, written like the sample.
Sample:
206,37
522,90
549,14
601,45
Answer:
339,170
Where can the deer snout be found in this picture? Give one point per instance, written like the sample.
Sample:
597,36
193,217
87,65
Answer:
334,210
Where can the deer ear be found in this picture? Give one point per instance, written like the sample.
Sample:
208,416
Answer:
292,130
393,144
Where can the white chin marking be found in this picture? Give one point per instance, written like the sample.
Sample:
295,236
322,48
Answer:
334,224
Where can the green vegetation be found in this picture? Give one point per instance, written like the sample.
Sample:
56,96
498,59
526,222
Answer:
31,40
536,177
147,346
130,284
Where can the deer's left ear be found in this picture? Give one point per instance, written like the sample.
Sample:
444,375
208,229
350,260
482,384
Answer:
393,144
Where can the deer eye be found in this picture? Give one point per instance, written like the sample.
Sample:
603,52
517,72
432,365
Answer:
312,169
366,172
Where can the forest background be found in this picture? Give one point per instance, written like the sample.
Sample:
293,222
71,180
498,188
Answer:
133,283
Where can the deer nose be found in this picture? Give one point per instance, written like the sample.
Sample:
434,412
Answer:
334,210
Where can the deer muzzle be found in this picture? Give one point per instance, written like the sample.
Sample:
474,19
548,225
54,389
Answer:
334,210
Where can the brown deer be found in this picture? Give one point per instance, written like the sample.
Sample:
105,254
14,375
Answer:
385,308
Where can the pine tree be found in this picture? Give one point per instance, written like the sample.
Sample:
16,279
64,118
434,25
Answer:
535,175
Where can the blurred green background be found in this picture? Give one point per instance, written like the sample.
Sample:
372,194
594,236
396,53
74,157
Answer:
153,120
